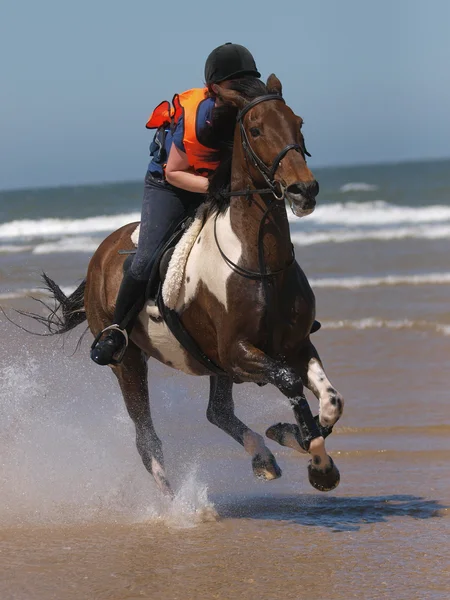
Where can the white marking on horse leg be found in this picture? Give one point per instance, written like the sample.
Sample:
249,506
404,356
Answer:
254,444
159,474
331,402
263,461
320,458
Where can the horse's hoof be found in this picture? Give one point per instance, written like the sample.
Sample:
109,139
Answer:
324,481
265,468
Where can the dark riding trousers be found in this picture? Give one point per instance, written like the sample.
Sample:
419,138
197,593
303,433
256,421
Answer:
163,207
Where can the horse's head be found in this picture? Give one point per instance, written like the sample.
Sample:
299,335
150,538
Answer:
273,146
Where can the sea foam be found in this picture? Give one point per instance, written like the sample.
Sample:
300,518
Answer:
358,187
387,280
339,222
44,228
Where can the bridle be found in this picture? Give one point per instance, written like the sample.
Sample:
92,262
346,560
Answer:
268,173
278,195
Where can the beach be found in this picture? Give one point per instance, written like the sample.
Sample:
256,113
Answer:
81,518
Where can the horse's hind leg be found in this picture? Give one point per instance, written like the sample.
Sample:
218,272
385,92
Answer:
221,413
132,376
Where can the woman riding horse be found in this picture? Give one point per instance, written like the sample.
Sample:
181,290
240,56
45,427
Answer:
244,300
175,184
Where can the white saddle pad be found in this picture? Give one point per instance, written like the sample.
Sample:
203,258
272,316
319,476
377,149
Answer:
175,272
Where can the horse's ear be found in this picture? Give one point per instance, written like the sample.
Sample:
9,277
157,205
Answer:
227,96
274,85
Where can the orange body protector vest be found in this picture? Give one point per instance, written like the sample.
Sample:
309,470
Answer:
167,115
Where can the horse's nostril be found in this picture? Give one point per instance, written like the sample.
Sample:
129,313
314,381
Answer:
296,189
313,188
309,189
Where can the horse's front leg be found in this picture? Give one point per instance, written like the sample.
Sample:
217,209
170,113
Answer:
331,403
251,363
221,413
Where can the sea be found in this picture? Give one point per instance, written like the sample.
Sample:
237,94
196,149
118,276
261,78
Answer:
80,518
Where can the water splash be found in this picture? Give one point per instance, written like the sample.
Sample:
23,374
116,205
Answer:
68,454
191,505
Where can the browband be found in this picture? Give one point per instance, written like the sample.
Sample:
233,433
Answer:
256,101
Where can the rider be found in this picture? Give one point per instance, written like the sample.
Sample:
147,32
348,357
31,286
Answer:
175,185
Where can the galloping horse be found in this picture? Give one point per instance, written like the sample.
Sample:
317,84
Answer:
244,299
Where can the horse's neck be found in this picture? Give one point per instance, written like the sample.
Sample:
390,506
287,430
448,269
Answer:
246,214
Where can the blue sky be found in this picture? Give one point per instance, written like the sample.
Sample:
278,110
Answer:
78,79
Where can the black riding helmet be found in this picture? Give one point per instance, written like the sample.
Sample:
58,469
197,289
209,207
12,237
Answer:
229,61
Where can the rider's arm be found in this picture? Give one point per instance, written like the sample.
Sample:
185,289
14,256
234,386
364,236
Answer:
179,173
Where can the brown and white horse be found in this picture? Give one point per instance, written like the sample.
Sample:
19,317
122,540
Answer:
244,299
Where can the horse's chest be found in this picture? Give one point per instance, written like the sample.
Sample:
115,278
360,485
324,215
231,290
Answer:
206,267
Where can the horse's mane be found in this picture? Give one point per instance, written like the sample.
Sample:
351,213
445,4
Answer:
223,125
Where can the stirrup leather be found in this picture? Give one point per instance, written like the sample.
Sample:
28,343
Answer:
114,361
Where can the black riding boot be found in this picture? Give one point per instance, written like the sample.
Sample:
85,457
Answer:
110,345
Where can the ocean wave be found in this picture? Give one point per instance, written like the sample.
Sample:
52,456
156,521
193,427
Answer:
44,228
9,249
358,187
377,323
374,213
326,217
341,236
352,283
72,244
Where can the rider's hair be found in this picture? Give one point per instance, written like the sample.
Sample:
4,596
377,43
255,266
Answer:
221,137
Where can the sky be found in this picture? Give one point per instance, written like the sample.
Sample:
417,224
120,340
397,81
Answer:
79,79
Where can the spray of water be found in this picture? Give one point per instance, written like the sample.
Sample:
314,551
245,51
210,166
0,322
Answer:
68,457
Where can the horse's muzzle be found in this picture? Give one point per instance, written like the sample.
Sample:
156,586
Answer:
302,197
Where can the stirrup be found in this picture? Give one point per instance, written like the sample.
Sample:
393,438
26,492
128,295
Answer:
124,332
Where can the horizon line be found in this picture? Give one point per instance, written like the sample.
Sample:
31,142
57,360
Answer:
128,181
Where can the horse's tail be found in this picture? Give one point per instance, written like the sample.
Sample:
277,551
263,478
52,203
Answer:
66,314
68,311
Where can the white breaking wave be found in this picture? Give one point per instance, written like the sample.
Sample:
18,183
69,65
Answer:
73,244
376,323
29,229
374,213
5,249
390,280
358,187
345,214
341,236
340,222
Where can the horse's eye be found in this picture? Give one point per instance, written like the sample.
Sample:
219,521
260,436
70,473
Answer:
255,131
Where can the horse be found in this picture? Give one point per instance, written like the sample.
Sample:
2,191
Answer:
244,300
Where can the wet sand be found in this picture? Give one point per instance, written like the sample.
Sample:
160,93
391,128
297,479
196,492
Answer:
376,547
81,519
